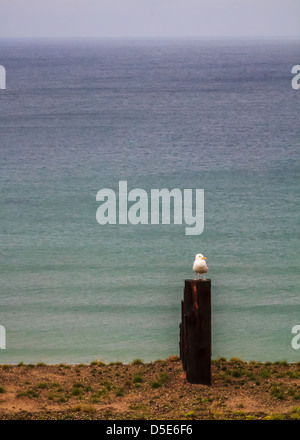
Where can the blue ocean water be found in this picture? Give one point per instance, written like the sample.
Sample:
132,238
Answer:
81,115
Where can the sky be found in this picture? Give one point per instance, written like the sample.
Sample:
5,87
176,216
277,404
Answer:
149,18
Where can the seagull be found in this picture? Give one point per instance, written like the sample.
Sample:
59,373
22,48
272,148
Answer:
200,265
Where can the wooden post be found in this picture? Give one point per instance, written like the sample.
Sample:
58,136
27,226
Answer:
195,331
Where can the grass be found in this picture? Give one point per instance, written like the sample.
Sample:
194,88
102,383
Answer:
277,392
97,364
42,386
2,390
190,415
78,385
155,384
119,392
21,394
57,398
265,374
295,413
237,373
88,409
294,392
76,392
250,375
293,375
138,378
236,360
155,390
162,378
227,379
275,416
95,398
78,389
28,393
107,384
137,362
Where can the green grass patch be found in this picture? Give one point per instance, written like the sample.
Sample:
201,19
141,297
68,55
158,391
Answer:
137,362
162,379
119,392
155,384
42,386
282,363
138,378
88,409
275,416
28,393
295,413
190,415
237,373
265,374
277,392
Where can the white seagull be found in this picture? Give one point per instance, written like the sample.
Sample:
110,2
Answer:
200,265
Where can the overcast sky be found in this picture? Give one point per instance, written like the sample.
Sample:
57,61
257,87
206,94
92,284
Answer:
149,18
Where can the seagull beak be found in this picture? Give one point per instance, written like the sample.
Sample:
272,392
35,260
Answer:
204,258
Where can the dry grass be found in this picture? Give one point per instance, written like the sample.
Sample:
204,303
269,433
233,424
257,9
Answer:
153,391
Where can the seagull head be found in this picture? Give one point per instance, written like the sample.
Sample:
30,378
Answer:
200,257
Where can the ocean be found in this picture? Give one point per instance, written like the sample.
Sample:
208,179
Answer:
81,115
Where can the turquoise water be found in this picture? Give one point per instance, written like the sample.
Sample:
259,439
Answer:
79,116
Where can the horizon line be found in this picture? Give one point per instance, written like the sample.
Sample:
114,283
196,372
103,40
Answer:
165,37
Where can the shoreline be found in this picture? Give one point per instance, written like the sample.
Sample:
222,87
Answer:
95,362
149,391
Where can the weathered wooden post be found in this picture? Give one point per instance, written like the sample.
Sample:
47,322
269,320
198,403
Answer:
195,331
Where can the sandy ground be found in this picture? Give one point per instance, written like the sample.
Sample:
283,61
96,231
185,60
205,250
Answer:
154,391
